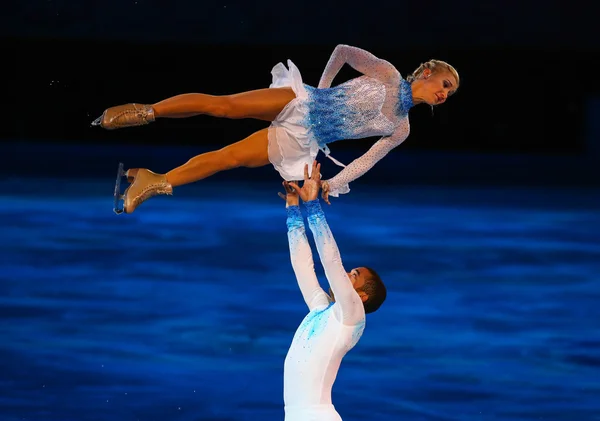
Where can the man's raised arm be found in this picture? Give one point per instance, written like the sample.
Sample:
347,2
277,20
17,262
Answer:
301,254
345,294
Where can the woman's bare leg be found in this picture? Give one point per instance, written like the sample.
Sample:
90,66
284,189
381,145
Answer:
261,104
251,152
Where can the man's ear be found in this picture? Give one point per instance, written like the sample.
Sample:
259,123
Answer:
363,296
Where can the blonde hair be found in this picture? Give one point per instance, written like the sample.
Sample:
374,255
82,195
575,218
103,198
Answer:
435,66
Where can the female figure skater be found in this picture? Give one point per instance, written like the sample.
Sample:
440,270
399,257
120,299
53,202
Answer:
303,120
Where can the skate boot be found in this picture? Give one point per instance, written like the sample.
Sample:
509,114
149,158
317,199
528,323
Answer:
127,115
144,185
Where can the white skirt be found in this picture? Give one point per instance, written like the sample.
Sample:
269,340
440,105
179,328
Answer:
290,144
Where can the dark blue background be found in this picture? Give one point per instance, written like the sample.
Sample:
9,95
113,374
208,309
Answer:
484,224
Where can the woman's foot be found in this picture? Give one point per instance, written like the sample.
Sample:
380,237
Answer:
127,115
144,185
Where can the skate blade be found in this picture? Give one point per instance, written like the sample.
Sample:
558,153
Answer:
118,197
98,121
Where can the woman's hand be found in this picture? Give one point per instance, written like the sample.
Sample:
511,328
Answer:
325,192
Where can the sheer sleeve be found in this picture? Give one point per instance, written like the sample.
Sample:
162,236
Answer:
302,261
357,168
349,301
360,60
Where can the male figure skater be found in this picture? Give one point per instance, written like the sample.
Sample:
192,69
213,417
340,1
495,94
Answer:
335,322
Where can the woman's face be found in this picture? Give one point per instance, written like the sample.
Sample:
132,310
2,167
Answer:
437,86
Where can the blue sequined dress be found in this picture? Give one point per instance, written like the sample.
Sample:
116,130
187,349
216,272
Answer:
362,107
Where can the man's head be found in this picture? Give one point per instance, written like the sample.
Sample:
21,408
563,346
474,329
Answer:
369,286
433,82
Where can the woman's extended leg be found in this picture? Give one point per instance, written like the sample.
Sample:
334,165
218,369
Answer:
261,104
251,152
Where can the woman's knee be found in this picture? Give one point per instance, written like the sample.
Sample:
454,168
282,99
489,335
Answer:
222,106
263,104
230,106
230,158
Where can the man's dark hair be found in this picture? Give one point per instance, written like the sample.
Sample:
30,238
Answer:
376,291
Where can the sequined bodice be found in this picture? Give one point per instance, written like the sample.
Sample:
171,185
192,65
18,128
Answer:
374,104
351,110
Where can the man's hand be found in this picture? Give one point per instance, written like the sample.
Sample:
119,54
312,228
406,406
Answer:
312,185
290,196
